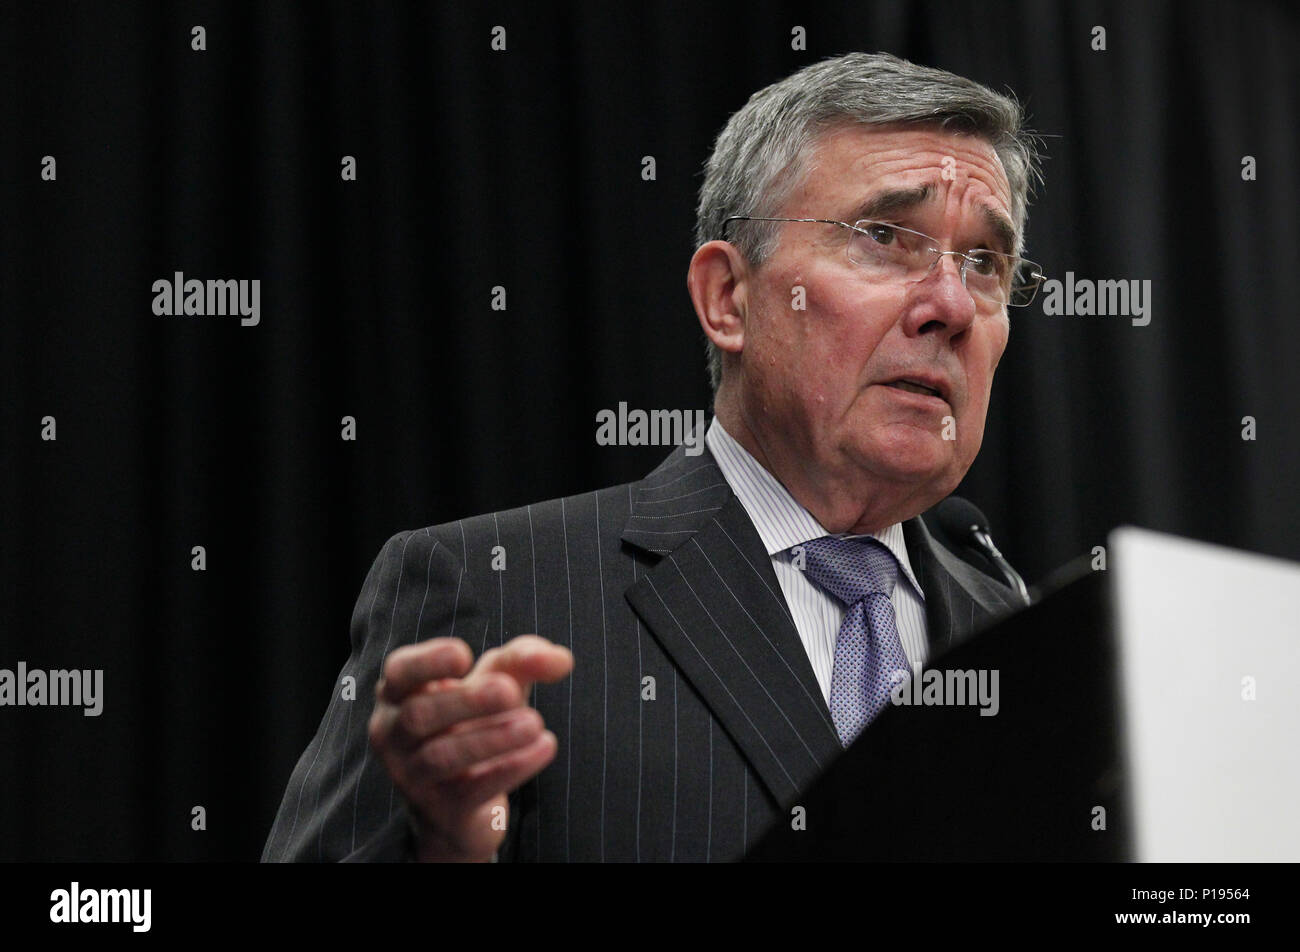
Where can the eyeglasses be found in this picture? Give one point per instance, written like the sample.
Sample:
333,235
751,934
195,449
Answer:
893,253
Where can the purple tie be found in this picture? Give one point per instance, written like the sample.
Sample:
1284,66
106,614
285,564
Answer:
861,573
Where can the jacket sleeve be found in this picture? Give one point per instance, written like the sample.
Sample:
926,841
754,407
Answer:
340,804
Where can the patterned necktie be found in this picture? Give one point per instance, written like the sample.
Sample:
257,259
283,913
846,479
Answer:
861,573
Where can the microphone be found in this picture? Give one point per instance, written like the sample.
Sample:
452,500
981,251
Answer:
961,520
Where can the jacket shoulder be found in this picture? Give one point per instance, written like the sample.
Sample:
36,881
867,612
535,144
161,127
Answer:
608,507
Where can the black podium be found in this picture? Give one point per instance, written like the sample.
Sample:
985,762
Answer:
1040,780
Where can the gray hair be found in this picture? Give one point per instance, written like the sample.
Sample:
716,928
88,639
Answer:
760,154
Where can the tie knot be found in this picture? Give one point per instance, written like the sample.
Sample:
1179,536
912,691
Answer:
851,569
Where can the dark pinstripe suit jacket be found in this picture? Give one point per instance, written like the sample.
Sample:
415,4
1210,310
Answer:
663,579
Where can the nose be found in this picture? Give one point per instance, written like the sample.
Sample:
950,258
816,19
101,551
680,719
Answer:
939,303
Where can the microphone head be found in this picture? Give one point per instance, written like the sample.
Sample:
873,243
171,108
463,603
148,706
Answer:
960,518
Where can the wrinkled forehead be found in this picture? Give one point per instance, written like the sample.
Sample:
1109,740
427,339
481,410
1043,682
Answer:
863,171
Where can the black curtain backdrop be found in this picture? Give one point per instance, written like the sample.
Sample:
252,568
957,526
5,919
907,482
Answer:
522,169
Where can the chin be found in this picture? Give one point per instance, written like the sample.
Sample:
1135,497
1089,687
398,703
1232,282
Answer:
919,458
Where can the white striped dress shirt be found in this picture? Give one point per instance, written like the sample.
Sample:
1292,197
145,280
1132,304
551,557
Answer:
783,523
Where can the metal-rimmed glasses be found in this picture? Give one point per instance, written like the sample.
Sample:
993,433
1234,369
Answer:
891,252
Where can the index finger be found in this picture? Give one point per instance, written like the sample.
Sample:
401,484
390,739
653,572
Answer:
527,659
410,667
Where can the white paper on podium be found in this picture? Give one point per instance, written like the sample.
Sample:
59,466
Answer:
1214,776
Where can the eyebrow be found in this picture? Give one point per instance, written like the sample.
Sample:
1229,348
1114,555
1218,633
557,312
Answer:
899,200
892,202
1003,233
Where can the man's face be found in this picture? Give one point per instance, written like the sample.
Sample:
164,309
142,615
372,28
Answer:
819,385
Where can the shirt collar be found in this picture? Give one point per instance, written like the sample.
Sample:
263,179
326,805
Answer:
779,518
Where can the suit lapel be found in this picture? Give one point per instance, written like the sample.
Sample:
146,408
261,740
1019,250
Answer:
959,599
714,604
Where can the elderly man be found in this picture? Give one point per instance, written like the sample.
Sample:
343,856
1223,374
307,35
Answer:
698,646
